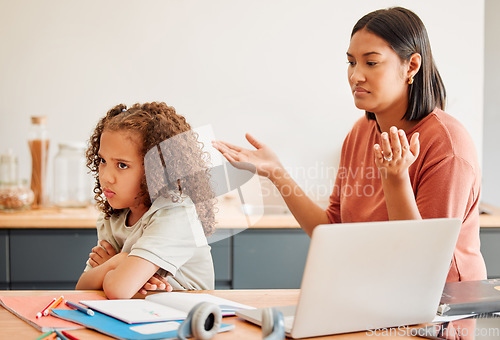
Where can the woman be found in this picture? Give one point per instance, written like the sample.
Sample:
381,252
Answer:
406,159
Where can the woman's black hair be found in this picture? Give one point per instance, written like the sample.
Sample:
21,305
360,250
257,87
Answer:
406,34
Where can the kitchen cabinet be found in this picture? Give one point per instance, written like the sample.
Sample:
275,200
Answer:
269,258
55,258
4,259
47,249
490,248
48,259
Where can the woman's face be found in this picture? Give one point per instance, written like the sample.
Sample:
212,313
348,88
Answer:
376,74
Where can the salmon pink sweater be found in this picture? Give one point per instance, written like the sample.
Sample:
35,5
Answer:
445,178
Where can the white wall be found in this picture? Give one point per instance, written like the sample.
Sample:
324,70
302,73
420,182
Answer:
491,140
274,68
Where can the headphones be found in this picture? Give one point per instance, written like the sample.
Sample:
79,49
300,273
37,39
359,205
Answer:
203,322
273,324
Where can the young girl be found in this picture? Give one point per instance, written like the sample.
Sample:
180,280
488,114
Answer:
153,189
424,160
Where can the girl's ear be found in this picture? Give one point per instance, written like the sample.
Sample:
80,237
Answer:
414,65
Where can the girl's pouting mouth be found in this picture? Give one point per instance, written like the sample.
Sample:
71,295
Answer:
108,193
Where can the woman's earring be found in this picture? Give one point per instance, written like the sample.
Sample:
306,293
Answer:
410,81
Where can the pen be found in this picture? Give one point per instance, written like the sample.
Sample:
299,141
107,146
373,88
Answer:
60,336
39,314
85,310
53,305
69,336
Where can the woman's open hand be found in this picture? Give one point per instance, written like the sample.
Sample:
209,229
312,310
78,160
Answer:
395,155
263,158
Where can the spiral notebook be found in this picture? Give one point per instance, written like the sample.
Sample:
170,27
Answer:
26,307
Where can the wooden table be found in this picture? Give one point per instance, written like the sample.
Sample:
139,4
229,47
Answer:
11,327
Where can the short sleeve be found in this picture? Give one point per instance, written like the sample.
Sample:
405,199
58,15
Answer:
170,238
103,233
446,189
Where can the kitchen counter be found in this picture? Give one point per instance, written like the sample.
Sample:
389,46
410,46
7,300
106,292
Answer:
229,216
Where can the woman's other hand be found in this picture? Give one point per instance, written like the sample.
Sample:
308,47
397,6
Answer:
263,158
395,155
101,254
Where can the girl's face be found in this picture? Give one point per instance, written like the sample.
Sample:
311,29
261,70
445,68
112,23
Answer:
121,169
377,76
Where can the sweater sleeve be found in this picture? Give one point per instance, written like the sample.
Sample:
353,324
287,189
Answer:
447,189
450,189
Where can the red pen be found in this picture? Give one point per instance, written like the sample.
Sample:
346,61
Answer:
53,305
69,336
39,314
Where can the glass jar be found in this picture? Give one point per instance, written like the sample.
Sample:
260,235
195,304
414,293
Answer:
14,195
38,142
72,185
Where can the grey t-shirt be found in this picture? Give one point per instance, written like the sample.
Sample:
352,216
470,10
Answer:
171,236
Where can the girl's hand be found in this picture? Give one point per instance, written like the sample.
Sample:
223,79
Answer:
101,254
395,155
263,158
154,283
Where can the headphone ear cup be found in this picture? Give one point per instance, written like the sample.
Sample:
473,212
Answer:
267,322
273,324
207,318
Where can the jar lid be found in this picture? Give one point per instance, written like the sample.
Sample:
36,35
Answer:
39,120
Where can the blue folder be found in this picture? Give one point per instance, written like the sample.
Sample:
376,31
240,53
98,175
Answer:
116,328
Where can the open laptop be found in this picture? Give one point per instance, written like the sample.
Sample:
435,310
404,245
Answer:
363,276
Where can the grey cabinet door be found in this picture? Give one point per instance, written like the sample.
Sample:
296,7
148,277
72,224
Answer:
490,248
4,258
221,255
49,258
269,258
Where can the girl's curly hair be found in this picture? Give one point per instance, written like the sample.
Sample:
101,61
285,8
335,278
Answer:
172,169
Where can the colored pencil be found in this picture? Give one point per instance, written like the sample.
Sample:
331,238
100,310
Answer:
53,305
69,336
60,336
51,336
45,335
40,314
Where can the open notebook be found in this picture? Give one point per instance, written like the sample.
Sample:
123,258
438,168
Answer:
160,307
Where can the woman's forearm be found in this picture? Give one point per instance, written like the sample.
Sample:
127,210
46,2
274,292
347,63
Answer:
305,210
400,199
